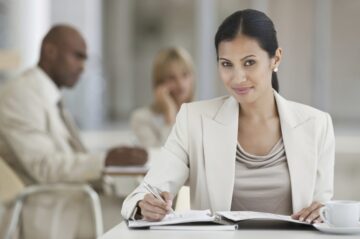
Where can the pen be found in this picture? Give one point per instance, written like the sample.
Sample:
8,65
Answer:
154,191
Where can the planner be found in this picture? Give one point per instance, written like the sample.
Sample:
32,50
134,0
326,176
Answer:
205,220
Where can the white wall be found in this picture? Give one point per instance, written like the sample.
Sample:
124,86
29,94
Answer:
26,23
345,58
119,61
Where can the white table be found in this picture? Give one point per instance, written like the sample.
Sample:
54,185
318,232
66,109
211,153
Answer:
122,231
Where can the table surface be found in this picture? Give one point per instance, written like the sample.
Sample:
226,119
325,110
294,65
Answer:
247,231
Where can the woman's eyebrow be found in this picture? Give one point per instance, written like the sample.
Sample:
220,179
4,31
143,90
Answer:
221,58
246,57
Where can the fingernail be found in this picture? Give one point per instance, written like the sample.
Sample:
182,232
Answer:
168,204
301,219
308,221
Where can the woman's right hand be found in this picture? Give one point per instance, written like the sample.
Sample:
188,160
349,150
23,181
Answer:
166,102
153,209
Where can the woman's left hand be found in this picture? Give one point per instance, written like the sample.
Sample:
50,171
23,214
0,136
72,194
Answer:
309,214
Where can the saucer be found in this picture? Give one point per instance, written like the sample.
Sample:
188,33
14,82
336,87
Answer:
337,230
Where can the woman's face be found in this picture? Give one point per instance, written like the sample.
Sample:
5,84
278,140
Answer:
179,81
245,68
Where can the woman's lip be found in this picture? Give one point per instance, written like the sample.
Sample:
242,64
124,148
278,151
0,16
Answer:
242,90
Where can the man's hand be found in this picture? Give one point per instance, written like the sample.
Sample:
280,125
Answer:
126,156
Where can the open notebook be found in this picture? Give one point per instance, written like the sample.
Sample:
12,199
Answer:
189,220
204,220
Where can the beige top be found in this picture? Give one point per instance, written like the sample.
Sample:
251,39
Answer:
262,183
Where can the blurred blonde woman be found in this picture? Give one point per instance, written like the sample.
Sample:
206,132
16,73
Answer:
173,85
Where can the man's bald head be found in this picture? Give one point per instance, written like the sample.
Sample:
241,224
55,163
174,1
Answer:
63,54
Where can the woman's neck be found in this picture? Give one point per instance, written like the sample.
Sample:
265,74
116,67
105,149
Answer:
262,109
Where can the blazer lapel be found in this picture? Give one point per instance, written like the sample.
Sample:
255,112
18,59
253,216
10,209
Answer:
219,142
297,131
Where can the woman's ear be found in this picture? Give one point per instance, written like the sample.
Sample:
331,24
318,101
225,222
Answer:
277,58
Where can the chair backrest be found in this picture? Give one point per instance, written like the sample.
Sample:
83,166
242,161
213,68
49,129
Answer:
10,183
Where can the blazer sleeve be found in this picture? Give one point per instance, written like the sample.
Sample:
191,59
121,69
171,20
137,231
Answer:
24,127
324,186
170,170
144,130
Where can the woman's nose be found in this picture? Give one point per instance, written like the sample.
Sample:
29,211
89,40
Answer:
239,75
178,82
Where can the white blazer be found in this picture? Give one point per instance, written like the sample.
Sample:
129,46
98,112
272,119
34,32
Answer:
201,150
149,127
34,139
35,142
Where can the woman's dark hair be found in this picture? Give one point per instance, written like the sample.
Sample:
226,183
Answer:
254,24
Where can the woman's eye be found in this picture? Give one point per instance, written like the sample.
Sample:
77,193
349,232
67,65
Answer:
185,74
225,64
249,63
170,78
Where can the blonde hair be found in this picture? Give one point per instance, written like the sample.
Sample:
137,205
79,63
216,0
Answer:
163,60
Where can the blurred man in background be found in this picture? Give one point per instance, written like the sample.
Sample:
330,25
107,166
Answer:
38,138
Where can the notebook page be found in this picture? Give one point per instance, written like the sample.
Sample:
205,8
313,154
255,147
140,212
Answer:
176,218
246,215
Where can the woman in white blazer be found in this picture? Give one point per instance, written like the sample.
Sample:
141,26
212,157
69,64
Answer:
215,143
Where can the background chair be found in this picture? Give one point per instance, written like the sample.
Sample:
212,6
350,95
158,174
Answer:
13,191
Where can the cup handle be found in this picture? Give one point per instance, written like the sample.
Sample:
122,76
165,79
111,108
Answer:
322,213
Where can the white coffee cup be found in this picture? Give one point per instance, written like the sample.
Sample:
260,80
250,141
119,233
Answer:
341,213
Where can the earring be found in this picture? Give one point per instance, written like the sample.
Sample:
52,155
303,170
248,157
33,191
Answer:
276,69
